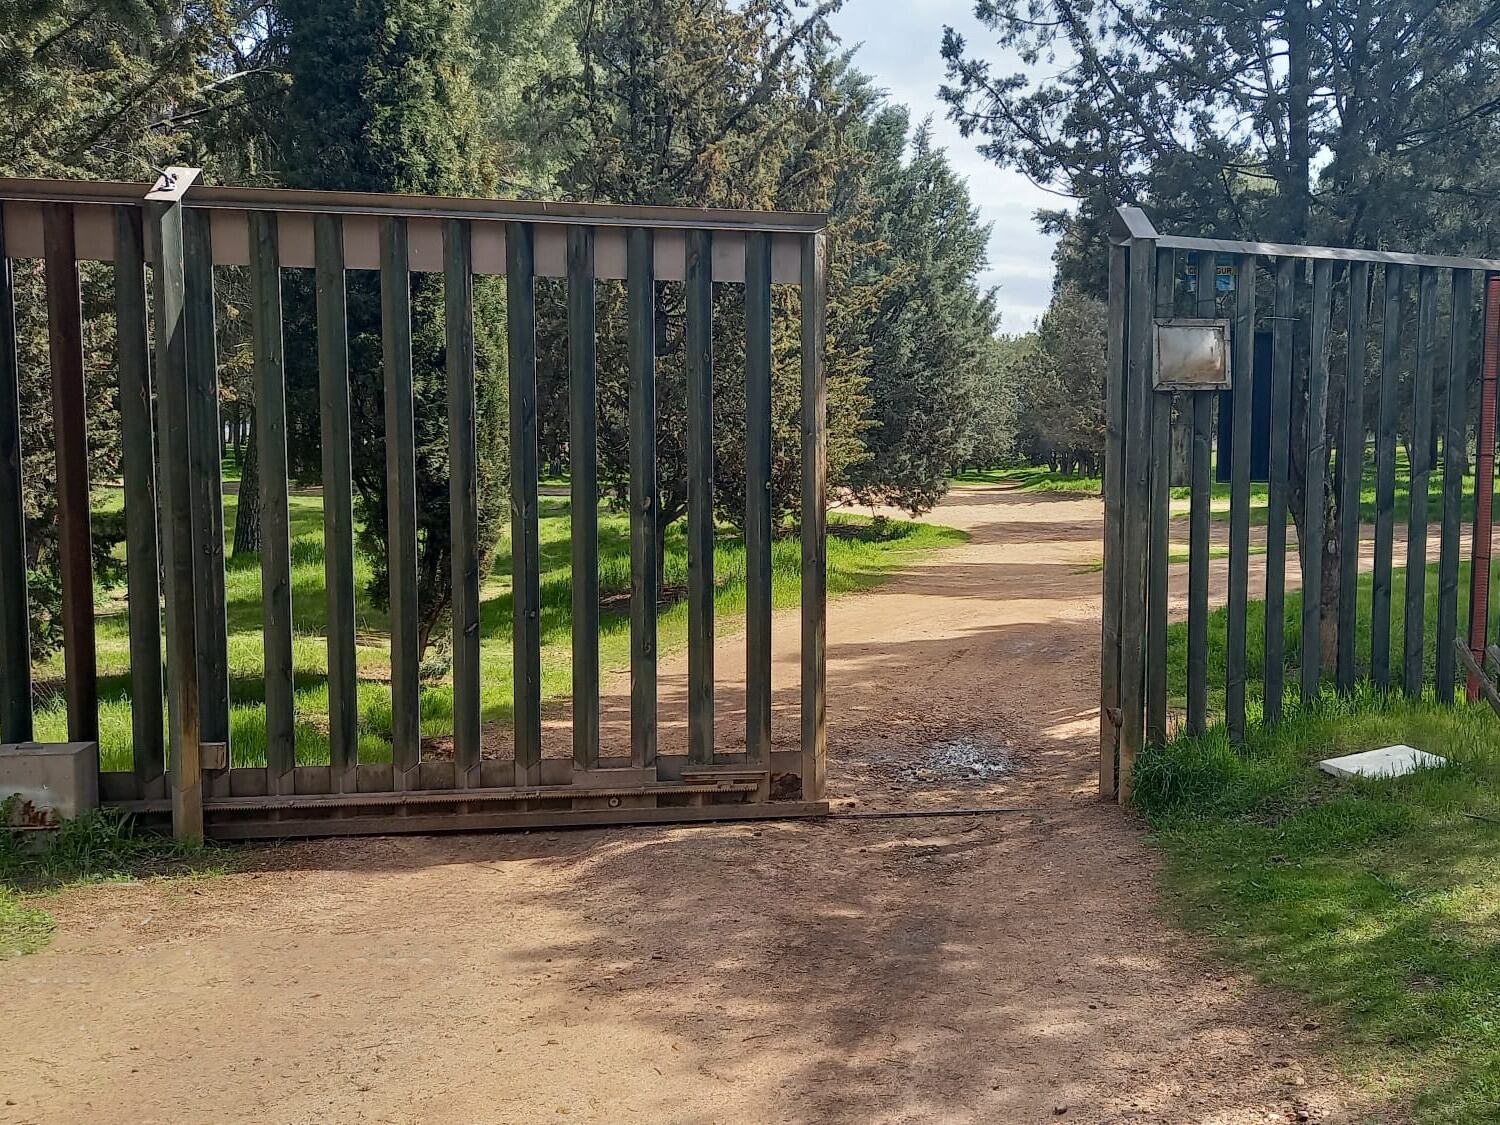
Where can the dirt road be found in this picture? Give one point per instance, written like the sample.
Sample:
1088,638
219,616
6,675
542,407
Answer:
1005,969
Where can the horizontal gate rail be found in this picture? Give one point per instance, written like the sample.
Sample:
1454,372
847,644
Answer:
1327,306
178,233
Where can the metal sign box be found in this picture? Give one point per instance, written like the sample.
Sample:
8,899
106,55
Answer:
1190,354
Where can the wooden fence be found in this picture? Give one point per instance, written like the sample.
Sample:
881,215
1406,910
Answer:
1315,311
170,425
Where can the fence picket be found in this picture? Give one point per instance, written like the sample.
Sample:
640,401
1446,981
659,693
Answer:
1421,471
1111,632
269,349
1276,492
76,561
401,503
758,499
583,484
463,496
1135,511
1455,454
814,519
15,629
526,598
1239,496
138,467
205,455
338,502
1351,468
1385,478
1158,560
641,315
1315,494
1199,515
700,472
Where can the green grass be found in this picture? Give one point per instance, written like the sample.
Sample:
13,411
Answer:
1378,902
1040,479
1255,618
102,846
23,928
860,553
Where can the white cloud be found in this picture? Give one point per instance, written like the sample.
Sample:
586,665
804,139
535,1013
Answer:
899,47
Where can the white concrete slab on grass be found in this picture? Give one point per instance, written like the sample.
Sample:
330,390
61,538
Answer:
1388,761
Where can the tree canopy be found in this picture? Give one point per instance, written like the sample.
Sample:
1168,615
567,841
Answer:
742,104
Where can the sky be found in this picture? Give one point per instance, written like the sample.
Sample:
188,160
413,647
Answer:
899,45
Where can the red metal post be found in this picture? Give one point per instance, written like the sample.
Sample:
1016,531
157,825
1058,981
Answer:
1484,483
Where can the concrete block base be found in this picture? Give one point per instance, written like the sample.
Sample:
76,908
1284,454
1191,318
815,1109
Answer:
46,783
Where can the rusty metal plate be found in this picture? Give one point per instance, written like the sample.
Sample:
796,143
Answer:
1190,354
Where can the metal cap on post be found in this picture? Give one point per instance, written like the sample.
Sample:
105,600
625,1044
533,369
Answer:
163,205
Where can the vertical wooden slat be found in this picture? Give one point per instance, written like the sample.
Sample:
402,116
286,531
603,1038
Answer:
205,452
1135,514
177,513
275,527
1239,496
1276,492
1455,453
1482,541
137,454
15,631
1114,524
814,519
583,484
401,503
1351,476
1316,470
70,436
338,500
1414,637
1159,552
640,269
1385,479
463,495
700,472
1200,513
526,596
758,498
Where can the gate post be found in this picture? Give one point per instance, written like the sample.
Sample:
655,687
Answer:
164,222
814,519
1127,469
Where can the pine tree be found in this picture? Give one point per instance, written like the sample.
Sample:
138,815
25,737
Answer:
720,105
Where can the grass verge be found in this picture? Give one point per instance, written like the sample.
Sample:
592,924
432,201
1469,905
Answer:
100,847
861,551
1034,478
1377,901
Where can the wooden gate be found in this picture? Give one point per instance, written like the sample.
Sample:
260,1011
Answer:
1342,328
170,422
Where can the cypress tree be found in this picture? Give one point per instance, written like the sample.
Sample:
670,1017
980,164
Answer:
382,99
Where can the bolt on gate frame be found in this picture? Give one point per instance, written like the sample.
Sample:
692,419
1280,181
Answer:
1316,359
171,467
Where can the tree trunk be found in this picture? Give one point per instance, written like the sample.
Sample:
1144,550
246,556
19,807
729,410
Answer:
1297,184
247,512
